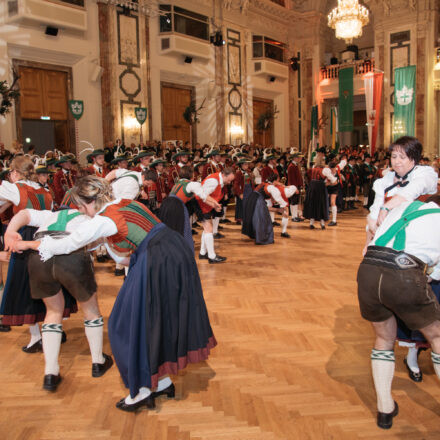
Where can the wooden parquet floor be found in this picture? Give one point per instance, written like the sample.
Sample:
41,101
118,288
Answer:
292,360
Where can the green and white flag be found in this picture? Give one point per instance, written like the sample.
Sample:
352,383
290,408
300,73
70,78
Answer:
346,99
76,107
404,101
141,114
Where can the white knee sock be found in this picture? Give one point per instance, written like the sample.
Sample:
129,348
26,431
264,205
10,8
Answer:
35,334
322,222
52,334
294,211
126,270
209,242
334,213
225,209
382,364
203,244
284,223
436,362
312,221
163,383
365,200
215,222
411,359
272,216
144,392
94,329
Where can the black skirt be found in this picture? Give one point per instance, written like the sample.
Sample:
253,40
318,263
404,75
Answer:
316,202
17,306
257,223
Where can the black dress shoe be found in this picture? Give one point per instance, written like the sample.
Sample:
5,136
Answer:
217,259
170,392
322,227
332,224
416,377
100,258
63,337
385,420
119,272
275,224
34,348
5,328
99,370
296,219
226,220
194,232
51,382
220,227
285,235
312,227
148,402
203,257
195,225
218,235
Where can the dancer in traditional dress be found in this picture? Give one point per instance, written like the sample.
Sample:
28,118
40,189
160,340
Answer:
242,187
47,279
18,307
148,343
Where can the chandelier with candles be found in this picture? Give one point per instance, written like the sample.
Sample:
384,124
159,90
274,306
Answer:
347,19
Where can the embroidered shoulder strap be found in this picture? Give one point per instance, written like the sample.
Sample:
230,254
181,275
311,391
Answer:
397,230
63,218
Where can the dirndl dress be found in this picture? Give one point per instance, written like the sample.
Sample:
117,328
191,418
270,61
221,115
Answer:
18,307
316,202
257,223
159,322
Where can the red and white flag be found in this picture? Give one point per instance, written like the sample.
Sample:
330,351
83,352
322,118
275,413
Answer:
373,97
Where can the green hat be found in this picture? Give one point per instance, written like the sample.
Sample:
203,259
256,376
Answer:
202,162
292,156
213,153
42,169
50,162
244,160
120,158
224,153
181,153
143,154
270,157
63,159
95,153
157,162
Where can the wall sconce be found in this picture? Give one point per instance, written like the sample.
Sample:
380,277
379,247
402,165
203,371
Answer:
236,130
437,61
130,123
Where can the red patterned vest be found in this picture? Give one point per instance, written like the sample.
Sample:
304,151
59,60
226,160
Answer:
179,190
32,198
217,194
316,174
133,221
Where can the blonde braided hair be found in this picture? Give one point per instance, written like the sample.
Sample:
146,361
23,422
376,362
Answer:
92,189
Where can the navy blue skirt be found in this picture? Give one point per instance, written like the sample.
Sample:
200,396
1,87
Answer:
257,223
159,322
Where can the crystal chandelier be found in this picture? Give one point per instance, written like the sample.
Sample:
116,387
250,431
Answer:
347,19
147,7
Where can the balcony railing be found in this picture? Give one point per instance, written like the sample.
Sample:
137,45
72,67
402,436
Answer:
361,67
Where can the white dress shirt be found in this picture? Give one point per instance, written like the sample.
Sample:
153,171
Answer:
211,184
197,189
422,235
422,180
125,186
327,172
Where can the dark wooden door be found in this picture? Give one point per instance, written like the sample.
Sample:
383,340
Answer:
260,106
174,102
44,93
